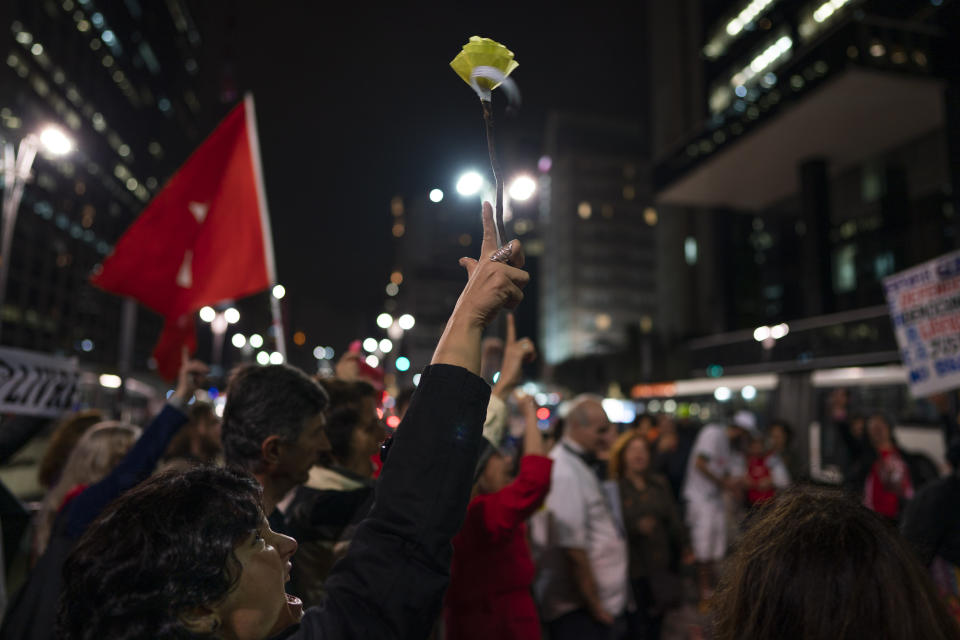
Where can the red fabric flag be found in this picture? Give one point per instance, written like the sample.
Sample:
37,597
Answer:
204,238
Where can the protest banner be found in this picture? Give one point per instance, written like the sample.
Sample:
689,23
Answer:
924,304
37,384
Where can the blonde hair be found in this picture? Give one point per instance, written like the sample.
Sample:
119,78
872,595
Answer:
61,443
615,467
96,454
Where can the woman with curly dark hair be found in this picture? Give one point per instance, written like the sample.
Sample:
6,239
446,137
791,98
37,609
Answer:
816,565
179,538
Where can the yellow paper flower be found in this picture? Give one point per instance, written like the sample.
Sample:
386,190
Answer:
484,52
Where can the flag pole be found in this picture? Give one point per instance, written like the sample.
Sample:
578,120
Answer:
275,309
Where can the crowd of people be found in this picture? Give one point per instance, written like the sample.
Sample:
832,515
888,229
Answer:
300,515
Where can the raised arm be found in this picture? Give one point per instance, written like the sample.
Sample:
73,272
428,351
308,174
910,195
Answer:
142,458
397,568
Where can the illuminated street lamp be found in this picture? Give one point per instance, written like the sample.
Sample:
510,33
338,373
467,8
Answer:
219,321
522,188
469,184
15,166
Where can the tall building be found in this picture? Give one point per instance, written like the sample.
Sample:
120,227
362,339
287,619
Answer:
598,272
825,156
126,82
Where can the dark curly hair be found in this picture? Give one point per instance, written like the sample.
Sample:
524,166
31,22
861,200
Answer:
817,565
266,401
163,548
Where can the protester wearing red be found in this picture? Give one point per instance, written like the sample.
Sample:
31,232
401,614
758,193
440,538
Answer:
492,570
889,481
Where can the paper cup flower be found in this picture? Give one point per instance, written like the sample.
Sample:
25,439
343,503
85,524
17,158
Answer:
484,64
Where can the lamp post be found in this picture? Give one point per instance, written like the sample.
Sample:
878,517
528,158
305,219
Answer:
219,321
16,167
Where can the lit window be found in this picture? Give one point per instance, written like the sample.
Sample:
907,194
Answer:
845,269
884,264
646,324
690,250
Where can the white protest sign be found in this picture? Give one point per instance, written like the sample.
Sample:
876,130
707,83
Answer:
924,304
36,384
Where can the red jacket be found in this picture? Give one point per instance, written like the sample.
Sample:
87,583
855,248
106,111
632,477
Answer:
489,594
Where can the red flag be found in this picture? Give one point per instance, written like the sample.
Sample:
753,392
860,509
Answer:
204,238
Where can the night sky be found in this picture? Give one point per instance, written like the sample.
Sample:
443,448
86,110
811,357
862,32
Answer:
357,104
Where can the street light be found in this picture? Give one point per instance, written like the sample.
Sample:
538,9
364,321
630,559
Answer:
207,314
469,183
370,345
436,195
238,340
16,165
384,320
522,188
56,141
256,341
232,315
279,291
386,345
406,322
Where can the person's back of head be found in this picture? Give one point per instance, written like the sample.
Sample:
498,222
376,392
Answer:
64,438
275,400
97,452
817,565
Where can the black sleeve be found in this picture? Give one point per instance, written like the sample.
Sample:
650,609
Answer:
924,522
391,582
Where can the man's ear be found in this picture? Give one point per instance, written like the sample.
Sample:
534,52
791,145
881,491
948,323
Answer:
270,450
200,620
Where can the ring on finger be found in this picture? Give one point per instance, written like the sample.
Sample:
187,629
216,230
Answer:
503,254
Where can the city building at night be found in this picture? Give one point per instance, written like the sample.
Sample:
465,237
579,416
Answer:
824,157
124,81
599,275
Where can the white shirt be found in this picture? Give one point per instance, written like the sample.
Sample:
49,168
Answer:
713,444
579,517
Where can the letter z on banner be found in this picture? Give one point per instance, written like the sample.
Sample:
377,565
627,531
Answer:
924,305
37,384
